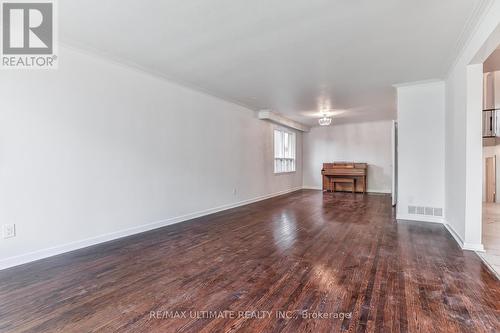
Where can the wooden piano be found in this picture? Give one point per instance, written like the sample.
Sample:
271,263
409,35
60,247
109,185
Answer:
344,176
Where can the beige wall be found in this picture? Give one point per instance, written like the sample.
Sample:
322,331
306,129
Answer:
492,64
491,151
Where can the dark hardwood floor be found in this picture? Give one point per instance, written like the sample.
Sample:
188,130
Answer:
328,254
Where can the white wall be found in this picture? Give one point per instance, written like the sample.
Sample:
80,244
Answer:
368,142
463,131
96,150
420,148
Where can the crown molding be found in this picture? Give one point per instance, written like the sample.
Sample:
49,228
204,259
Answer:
468,31
144,70
418,83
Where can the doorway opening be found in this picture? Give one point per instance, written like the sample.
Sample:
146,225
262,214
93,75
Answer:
491,166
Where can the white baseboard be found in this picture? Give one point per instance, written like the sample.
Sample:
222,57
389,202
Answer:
379,191
419,218
455,235
312,188
319,188
463,245
52,251
489,265
473,247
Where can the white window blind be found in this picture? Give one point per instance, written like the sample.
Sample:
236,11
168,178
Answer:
284,151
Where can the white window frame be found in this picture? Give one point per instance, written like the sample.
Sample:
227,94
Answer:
285,151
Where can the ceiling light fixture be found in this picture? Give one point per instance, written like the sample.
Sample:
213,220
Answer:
325,121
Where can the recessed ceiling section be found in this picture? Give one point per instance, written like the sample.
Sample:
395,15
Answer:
281,55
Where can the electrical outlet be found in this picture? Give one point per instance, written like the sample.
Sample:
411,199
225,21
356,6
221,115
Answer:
9,230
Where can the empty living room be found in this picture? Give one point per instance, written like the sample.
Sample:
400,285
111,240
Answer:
249,166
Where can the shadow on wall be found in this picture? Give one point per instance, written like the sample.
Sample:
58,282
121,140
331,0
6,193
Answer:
368,142
376,178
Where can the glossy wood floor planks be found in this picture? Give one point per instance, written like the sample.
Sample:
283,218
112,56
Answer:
297,263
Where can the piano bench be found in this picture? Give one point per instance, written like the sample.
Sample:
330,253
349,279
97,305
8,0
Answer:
351,181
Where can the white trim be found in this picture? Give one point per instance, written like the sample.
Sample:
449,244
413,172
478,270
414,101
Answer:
451,230
463,245
491,268
419,218
312,188
319,188
378,191
455,235
127,64
478,248
473,247
59,249
418,83
468,32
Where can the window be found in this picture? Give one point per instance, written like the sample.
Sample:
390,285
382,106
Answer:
284,151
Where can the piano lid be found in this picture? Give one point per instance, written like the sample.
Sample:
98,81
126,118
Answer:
345,165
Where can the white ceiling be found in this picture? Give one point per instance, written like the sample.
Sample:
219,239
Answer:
291,56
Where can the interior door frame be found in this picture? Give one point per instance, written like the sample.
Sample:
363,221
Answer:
394,152
487,180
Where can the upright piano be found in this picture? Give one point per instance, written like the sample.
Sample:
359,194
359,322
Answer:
344,176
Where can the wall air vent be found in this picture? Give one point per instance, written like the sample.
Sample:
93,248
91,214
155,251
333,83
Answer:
429,211
438,211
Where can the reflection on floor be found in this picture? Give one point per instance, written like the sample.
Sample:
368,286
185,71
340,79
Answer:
491,235
307,252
